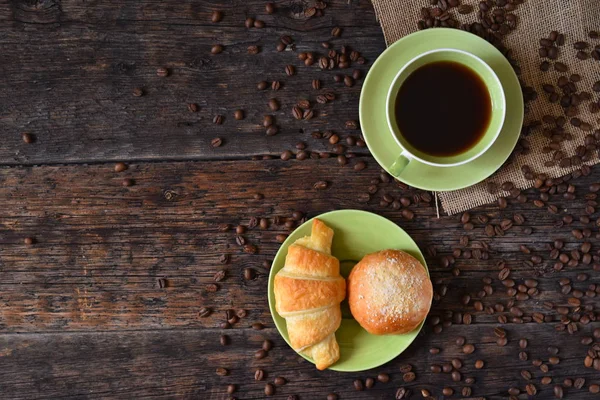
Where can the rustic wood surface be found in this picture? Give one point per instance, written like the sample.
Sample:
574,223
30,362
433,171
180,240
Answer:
81,312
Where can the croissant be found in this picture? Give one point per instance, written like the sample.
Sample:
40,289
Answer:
308,293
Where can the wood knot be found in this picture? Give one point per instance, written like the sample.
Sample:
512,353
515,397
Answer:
124,67
201,63
37,11
169,195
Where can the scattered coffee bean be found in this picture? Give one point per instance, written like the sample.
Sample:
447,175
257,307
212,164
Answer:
279,381
216,16
162,72
128,182
269,389
216,49
358,385
258,326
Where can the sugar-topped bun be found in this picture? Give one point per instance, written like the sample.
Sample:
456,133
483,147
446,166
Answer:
389,292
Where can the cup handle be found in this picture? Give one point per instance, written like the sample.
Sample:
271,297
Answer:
400,164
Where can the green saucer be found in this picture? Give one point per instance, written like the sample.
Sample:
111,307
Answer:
357,233
373,106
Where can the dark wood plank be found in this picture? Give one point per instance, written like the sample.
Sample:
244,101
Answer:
70,68
182,364
81,314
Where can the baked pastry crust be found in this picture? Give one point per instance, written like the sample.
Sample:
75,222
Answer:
389,292
308,292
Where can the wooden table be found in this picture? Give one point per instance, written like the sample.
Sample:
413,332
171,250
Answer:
82,313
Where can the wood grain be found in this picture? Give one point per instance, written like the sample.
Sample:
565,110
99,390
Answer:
75,64
82,315
85,296
182,364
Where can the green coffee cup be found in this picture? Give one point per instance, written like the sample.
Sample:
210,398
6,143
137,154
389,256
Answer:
498,110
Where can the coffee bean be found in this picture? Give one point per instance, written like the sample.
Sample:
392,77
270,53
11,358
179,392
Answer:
260,354
253,49
297,112
238,115
568,382
383,377
269,389
409,377
231,389
465,9
249,23
290,70
204,312
128,182
270,8
216,16
407,214
402,393
137,92
332,396
513,391
216,49
224,340
456,376
274,104
29,138
404,368
193,107
257,326
249,274
120,167
279,381
281,238
272,130
336,32
162,283
222,371
579,382
320,185
468,348
259,24
531,389
162,72
594,388
358,385
348,81
359,166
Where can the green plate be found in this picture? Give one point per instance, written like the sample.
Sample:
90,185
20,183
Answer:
357,233
373,107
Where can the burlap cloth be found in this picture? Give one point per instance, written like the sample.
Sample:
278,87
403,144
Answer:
536,19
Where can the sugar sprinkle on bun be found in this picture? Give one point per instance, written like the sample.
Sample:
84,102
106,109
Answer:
389,292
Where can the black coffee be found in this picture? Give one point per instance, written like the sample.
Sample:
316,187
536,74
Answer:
443,108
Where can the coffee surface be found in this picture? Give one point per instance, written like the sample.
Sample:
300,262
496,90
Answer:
443,108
